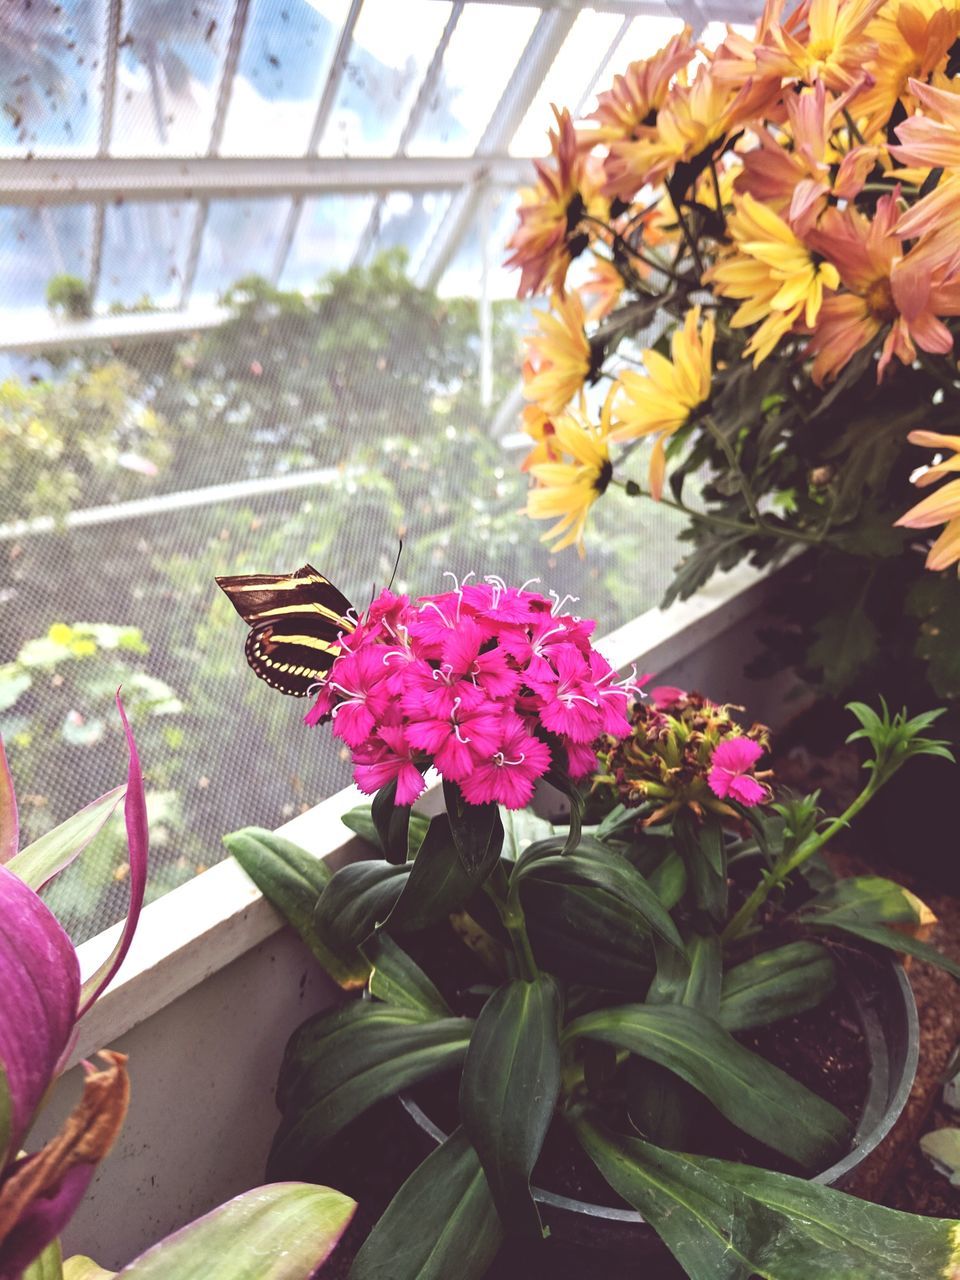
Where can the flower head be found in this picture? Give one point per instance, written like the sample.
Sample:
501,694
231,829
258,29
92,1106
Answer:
941,507
565,489
485,683
551,231
730,775
779,278
665,398
559,360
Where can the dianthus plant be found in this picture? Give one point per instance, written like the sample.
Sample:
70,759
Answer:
493,686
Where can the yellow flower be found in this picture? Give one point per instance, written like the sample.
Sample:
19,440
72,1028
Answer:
824,40
942,507
664,399
778,277
566,489
558,357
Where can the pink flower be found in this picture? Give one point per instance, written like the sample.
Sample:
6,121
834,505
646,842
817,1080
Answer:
729,774
507,778
664,696
381,761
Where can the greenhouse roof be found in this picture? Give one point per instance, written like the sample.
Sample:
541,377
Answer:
161,149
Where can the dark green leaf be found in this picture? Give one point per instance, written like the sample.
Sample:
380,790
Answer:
440,881
701,846
559,778
397,979
442,1223
508,1090
357,899
726,1221
293,880
895,941
864,900
338,1064
776,984
392,821
586,935
477,829
361,821
759,1098
595,866
668,880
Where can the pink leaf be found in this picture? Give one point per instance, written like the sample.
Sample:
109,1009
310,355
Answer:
9,820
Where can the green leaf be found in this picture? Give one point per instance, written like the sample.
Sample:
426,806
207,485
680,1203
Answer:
846,641
441,1223
597,867
358,898
338,1064
702,848
283,1232
893,941
397,979
360,820
942,1149
776,984
725,1221
668,880
49,1265
756,1096
293,880
440,881
392,821
6,1117
864,900
508,1091
477,829
39,862
586,935
560,779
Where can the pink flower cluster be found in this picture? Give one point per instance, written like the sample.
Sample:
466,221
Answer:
487,683
730,772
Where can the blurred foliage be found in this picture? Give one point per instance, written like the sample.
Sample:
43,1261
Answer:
368,379
69,296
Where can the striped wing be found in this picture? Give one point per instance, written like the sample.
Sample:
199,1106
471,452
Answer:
296,620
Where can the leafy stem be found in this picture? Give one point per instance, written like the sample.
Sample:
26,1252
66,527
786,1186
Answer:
734,464
504,897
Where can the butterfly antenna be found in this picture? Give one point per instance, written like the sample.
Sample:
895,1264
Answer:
396,565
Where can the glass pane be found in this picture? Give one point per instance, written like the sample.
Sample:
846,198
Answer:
392,47
37,245
49,69
240,239
410,222
326,238
287,51
567,79
487,234
145,247
488,36
168,73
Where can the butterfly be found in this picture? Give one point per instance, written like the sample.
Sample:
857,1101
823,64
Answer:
296,621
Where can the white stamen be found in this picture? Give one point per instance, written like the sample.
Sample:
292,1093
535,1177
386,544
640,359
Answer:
432,604
558,603
528,582
500,759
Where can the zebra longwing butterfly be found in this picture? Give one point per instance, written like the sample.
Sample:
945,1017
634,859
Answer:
295,620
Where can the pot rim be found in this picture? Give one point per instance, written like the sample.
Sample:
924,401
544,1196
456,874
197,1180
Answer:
880,1112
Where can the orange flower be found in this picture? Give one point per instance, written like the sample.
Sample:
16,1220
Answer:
826,40
912,38
551,231
692,117
933,140
559,359
909,292
942,507
796,180
539,426
605,285
628,110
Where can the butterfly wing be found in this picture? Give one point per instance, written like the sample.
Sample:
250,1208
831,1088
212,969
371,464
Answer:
296,620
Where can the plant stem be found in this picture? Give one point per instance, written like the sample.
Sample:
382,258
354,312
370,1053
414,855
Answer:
942,378
511,915
791,862
688,237
619,240
734,465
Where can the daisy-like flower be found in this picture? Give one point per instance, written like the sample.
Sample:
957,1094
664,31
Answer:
604,285
551,231
692,117
565,490
665,398
826,40
559,360
942,507
628,110
912,39
731,772
884,286
933,140
778,277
